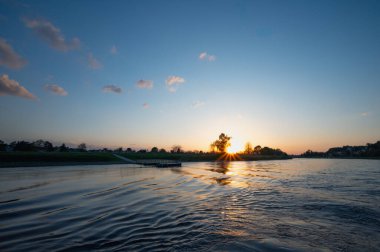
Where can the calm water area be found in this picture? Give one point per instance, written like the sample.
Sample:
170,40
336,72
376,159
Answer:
288,205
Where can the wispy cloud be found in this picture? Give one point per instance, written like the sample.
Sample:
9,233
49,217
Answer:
147,84
198,104
365,114
173,82
112,89
93,62
51,34
113,50
8,57
12,87
55,89
146,105
206,56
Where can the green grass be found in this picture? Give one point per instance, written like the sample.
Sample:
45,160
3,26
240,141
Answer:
31,158
189,157
15,159
185,157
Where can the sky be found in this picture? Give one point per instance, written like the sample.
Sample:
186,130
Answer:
294,75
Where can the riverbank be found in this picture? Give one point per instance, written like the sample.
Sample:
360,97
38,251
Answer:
32,159
201,157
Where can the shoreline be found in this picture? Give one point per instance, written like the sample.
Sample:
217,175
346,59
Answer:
73,163
30,164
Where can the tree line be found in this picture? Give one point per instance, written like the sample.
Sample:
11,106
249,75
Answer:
218,146
224,141
46,146
366,151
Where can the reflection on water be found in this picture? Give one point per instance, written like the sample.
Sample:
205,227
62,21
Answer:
303,205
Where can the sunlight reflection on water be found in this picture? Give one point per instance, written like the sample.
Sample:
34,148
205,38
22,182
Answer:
305,205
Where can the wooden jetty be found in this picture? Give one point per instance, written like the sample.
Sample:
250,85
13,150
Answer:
161,163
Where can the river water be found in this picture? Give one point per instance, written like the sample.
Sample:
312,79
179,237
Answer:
289,205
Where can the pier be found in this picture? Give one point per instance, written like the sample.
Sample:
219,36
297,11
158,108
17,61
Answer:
161,163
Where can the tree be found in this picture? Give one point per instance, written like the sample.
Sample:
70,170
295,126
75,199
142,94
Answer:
129,150
162,151
248,148
257,150
39,144
120,149
63,148
82,147
154,149
48,146
3,146
222,143
22,146
176,149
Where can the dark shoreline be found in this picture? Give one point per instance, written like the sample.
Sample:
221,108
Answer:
46,164
89,163
35,159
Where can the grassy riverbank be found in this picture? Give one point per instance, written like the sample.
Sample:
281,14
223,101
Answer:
18,159
29,159
192,157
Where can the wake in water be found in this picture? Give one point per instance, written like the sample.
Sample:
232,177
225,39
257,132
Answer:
292,205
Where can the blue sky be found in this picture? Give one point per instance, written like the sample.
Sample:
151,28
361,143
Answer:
287,74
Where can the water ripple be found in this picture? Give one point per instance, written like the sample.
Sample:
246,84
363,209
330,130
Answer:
294,205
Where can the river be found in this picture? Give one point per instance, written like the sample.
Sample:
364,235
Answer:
287,205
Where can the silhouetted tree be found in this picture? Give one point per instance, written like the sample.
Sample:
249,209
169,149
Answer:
248,148
3,146
82,147
272,152
48,146
313,154
22,146
154,149
63,148
222,143
176,149
129,150
39,144
373,150
162,151
257,150
120,149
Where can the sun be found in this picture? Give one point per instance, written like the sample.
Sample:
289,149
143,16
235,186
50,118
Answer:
234,148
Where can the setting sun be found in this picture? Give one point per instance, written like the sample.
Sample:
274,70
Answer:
235,147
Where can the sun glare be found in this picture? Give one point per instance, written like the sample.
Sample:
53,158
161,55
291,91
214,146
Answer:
235,147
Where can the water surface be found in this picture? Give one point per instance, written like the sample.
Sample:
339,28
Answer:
289,205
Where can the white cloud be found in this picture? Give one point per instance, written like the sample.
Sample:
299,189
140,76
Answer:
173,82
12,87
147,84
93,62
51,34
112,89
145,105
8,57
113,50
198,104
206,56
364,114
55,89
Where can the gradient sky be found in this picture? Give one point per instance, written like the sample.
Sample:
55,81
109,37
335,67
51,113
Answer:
294,75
